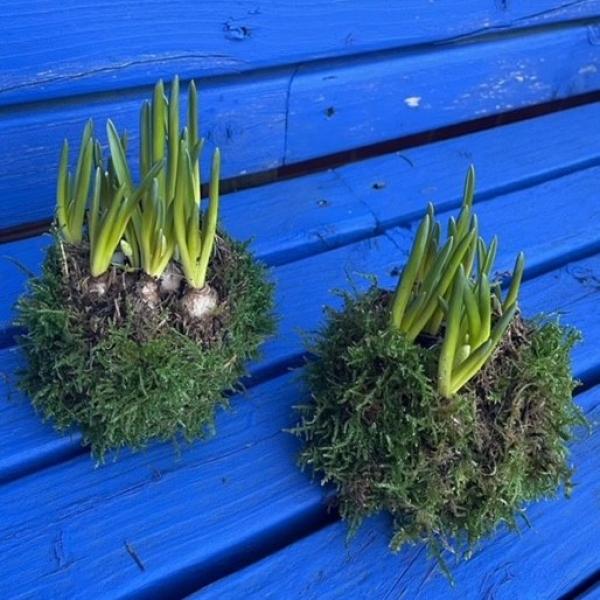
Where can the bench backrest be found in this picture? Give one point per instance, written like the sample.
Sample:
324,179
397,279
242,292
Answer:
281,82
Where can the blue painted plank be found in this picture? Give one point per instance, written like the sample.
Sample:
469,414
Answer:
29,444
246,119
242,491
138,42
193,494
280,117
363,103
17,261
395,187
553,222
302,212
320,211
563,234
546,561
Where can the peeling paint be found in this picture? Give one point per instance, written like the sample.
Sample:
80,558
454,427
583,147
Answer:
413,101
236,32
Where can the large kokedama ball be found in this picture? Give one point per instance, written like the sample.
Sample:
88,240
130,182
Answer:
449,471
127,370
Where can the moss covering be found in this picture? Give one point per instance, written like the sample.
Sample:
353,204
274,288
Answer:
448,471
127,373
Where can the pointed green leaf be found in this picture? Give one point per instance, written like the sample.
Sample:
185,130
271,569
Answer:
405,285
515,285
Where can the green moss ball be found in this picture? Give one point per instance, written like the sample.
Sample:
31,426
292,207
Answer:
448,471
126,373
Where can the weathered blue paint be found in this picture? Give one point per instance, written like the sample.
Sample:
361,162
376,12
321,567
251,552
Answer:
55,50
562,547
186,515
264,120
309,215
284,82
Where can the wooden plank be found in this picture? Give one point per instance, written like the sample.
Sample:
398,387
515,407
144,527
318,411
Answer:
31,444
396,186
544,561
564,234
247,120
135,43
320,211
262,122
303,215
363,103
242,492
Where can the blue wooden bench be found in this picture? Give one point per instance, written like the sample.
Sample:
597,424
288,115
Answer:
338,121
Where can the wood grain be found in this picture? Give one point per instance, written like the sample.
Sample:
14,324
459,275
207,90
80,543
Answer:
52,49
320,212
366,102
544,561
263,122
241,488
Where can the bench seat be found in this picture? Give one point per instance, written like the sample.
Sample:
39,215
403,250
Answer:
233,515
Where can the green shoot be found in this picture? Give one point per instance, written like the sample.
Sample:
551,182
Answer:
153,222
72,193
157,221
195,244
107,222
437,284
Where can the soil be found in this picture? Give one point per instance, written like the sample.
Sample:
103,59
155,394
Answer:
120,299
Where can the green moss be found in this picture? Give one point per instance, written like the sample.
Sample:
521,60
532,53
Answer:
448,471
130,376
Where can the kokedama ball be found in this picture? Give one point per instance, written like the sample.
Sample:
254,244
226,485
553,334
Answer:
449,471
127,370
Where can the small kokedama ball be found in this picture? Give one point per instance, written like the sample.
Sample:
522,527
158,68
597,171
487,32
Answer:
120,358
449,471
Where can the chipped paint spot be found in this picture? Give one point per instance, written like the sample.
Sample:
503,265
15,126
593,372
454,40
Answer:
589,69
236,33
412,101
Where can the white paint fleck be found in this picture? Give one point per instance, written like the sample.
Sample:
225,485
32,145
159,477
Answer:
412,101
520,78
588,70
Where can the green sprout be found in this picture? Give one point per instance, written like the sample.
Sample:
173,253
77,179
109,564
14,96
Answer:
112,207
195,243
151,236
72,193
438,287
158,226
